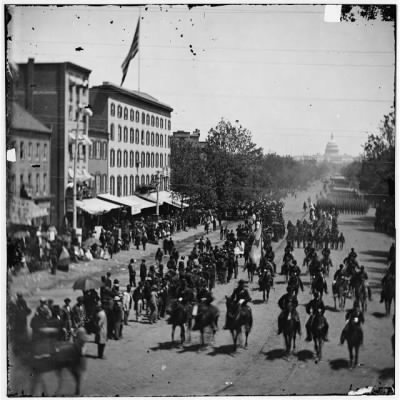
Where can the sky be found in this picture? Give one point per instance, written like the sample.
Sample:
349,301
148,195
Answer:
281,71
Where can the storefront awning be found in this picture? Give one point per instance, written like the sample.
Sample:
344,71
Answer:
81,138
165,197
135,203
81,176
22,211
96,206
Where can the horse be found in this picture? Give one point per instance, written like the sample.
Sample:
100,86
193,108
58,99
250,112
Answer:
317,331
255,253
318,284
48,355
388,292
360,294
289,330
326,263
207,316
238,317
179,316
354,338
265,282
340,291
295,283
251,269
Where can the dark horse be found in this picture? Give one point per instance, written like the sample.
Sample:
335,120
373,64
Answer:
180,316
265,282
354,338
318,331
289,329
388,291
47,355
340,291
207,316
360,294
319,284
238,317
251,269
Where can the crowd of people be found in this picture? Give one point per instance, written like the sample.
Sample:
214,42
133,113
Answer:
344,204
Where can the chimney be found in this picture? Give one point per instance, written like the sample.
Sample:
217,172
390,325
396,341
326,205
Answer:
29,84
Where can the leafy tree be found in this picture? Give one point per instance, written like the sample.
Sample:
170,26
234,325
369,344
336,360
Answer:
352,13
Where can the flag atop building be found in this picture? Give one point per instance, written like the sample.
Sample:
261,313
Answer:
132,52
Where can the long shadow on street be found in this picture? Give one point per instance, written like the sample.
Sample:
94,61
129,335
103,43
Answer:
339,363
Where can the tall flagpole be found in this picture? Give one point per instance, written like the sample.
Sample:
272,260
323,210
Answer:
139,52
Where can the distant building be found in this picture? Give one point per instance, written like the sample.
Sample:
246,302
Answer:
187,136
29,176
53,93
139,128
333,155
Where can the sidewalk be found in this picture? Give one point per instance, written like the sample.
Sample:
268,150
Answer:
30,284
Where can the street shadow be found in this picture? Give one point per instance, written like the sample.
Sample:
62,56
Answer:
275,354
376,253
305,355
91,356
332,309
258,301
255,289
379,315
339,363
165,346
377,270
375,261
386,373
192,348
226,349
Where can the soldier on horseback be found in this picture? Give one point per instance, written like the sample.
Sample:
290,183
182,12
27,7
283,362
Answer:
284,301
240,297
313,307
361,277
355,316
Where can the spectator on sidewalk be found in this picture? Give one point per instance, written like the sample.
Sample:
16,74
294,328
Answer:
127,303
143,271
101,332
132,273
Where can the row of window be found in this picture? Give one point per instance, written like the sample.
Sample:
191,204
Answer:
81,151
98,150
121,188
158,140
157,122
144,160
37,186
28,151
100,183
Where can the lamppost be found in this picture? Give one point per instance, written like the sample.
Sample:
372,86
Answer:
85,111
160,174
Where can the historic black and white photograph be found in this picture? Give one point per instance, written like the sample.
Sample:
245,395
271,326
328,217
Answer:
200,199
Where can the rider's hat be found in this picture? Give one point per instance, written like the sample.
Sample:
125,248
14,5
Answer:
241,282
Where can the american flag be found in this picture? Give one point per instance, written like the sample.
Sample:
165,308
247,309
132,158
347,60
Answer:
132,53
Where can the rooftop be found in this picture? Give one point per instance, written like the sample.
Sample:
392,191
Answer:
21,119
136,94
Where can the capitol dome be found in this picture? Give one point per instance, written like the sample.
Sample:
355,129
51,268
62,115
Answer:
331,149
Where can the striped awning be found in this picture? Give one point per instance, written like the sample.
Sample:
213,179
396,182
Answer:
96,206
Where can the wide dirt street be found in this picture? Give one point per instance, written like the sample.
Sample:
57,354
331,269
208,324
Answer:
144,363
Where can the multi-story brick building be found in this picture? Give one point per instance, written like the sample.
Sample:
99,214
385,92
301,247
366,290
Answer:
139,129
54,92
98,160
29,175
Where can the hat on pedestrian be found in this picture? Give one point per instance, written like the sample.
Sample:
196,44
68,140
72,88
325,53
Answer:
116,281
67,300
43,300
80,298
19,294
116,298
241,282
